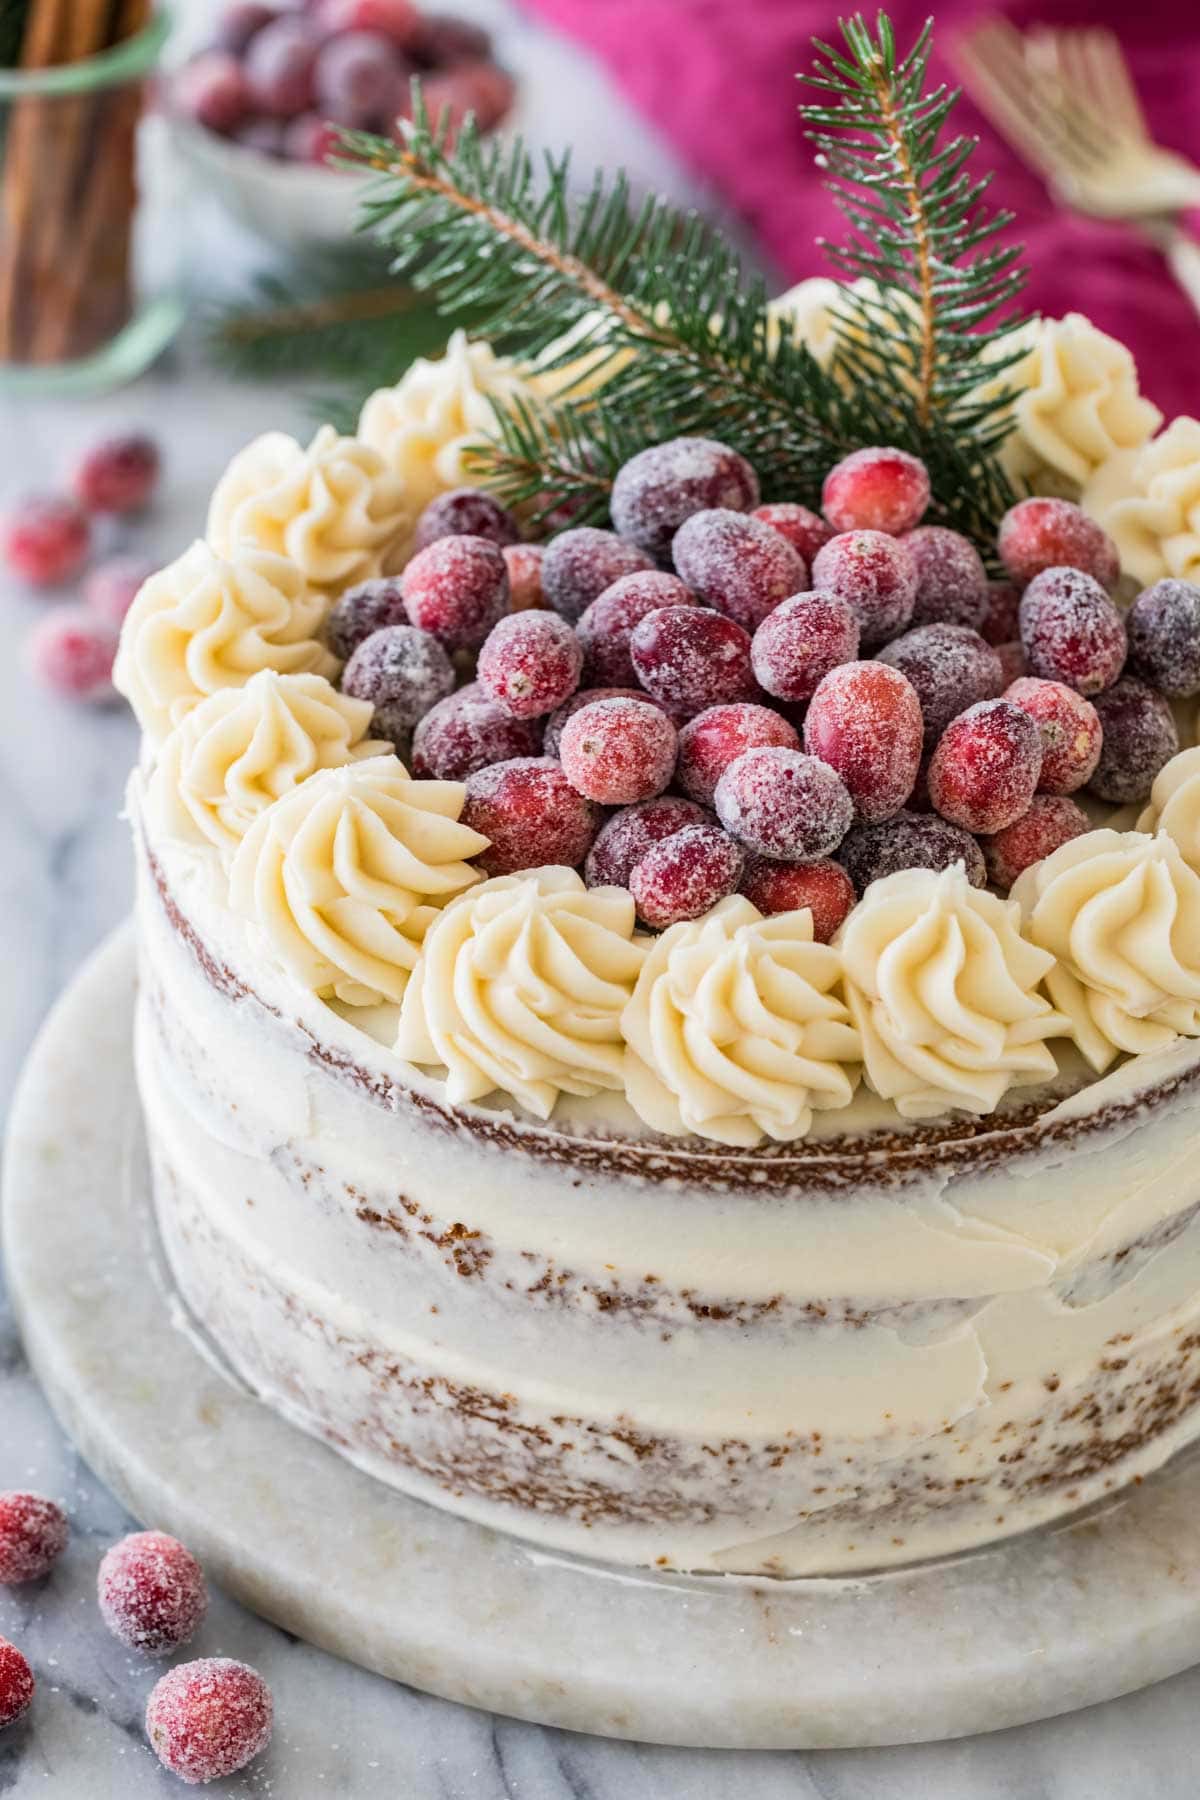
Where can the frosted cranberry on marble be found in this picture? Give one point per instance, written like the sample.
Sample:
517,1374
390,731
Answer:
531,813
467,731
33,1535
530,663
619,751
684,875
606,626
152,1592
876,489
777,887
952,583
865,721
950,667
626,837
1070,728
17,1685
403,672
737,564
783,803
465,512
875,575
719,735
208,1719
1139,736
1052,821
580,564
457,588
71,651
999,623
985,770
524,565
801,641
556,723
44,538
1039,534
691,658
1164,637
660,487
213,90
110,589
119,474
361,611
804,530
909,840
1071,631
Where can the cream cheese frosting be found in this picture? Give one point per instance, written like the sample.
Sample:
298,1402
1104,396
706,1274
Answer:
1119,913
337,875
946,994
334,508
1174,805
1148,500
737,1028
520,987
207,622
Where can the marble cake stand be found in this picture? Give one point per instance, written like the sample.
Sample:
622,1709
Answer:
1045,1623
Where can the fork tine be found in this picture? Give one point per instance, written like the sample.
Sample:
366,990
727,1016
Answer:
1024,99
1112,80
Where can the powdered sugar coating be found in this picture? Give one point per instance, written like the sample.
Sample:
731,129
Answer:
875,575
457,589
1071,631
1038,534
663,485
985,770
371,606
950,667
209,1718
467,731
804,530
717,736
1052,820
630,833
152,1592
784,803
579,564
524,565
823,887
909,840
531,813
465,512
33,1535
865,721
801,641
999,623
1164,637
530,663
402,672
878,488
737,564
556,723
685,875
952,583
17,1685
619,751
1070,728
1139,736
691,658
605,627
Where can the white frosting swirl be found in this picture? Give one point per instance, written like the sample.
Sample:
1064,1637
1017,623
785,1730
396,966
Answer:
334,508
335,875
737,1029
241,749
1121,913
1148,501
520,987
945,993
204,623
1174,805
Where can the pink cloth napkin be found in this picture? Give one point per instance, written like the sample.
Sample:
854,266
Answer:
717,78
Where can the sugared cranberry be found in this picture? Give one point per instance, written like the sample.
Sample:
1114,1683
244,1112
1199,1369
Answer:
875,575
530,663
1071,631
398,20
482,89
952,583
110,589
1164,638
737,564
239,23
876,489
33,1535
279,67
985,769
402,672
627,836
718,736
800,641
72,652
865,721
1051,822
119,474
557,722
951,668
1070,728
1039,534
16,1683
357,79
457,588
606,626
442,39
306,139
660,487
1013,665
685,875
524,565
1139,736
208,1719
465,512
152,1592
531,813
361,611
213,90
467,731
619,751
805,531
784,803
999,625
909,840
691,658
44,538
823,887
580,564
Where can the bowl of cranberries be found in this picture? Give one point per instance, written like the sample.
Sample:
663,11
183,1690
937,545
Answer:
254,112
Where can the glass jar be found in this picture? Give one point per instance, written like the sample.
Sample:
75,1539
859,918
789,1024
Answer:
85,299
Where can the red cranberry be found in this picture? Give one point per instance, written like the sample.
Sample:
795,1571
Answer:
33,1535
985,769
530,663
465,512
279,68
662,486
805,531
398,20
951,668
737,564
152,1592
72,653
716,737
952,583
457,588
691,658
480,88
1071,631
822,887
627,836
402,672
307,139
865,721
208,1719
876,489
118,475
1039,534
442,39
1164,638
580,564
1139,736
361,611
875,575
212,89
531,813
1013,665
556,723
239,23
909,840
798,644
1070,728
1000,620
16,1683
1051,822
618,751
45,538
606,626
684,875
524,565
783,803
467,731
110,589
357,79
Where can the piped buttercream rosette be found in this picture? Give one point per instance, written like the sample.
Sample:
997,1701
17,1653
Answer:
1148,500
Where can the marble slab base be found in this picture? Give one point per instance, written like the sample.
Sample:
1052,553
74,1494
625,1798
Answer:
1061,1618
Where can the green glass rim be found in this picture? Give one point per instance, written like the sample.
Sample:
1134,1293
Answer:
123,62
